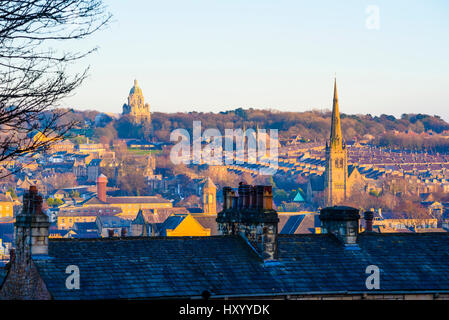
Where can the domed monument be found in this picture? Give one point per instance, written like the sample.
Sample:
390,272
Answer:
136,107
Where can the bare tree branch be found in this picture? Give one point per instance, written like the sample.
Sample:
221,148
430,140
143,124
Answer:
34,76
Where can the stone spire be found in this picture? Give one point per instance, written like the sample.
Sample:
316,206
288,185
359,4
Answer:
336,137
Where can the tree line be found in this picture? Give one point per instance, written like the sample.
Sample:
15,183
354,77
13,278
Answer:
410,131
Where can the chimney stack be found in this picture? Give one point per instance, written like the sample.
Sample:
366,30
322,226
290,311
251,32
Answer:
102,181
342,222
32,226
252,217
31,243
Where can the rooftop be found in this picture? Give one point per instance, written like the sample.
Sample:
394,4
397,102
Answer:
160,267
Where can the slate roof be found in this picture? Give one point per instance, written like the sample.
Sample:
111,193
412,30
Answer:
89,211
172,222
159,215
207,221
317,183
113,222
298,198
7,232
141,199
299,224
95,162
93,201
86,234
84,226
292,224
129,268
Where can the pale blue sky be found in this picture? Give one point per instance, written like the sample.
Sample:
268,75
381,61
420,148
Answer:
210,55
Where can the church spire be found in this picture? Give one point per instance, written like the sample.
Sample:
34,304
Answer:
336,137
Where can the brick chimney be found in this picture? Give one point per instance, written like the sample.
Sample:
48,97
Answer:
102,181
31,227
342,222
251,216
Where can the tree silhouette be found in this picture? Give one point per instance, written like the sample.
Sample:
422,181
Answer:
34,74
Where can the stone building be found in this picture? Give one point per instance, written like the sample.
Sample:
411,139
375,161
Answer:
136,107
339,180
130,205
150,166
336,172
209,197
6,206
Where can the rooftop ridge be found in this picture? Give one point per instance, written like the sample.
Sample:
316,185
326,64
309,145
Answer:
141,238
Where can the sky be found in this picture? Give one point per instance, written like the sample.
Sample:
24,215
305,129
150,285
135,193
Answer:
389,57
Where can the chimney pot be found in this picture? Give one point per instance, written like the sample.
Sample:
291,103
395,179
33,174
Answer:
252,197
228,194
268,197
259,197
234,202
245,193
240,195
369,216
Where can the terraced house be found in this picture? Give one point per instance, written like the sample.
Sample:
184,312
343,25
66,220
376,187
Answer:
248,260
